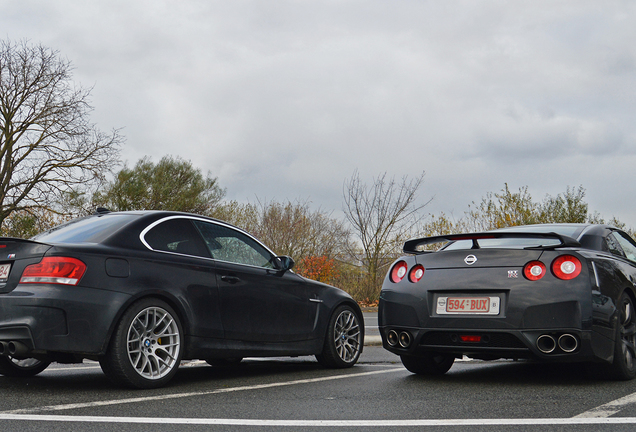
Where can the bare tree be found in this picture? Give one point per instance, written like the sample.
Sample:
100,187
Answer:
382,215
47,144
289,228
295,229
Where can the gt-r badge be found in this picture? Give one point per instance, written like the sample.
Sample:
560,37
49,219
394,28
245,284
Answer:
470,259
513,274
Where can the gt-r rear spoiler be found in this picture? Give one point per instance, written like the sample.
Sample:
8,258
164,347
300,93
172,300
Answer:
411,246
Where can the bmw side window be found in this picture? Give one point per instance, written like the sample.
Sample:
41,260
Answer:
178,236
626,245
226,244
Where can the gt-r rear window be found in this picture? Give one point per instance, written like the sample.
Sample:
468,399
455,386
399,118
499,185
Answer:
502,243
92,229
570,230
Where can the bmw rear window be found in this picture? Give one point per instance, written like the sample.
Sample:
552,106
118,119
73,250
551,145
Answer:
92,229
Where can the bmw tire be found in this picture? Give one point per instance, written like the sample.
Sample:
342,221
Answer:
344,340
146,347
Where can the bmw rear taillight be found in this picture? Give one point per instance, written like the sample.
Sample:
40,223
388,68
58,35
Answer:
534,270
54,270
398,271
416,273
566,267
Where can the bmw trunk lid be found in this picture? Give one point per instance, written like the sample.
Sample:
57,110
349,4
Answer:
15,255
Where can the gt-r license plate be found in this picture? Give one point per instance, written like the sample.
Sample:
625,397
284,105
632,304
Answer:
4,272
468,305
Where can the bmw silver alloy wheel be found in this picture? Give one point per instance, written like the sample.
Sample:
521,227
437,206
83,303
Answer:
347,336
153,343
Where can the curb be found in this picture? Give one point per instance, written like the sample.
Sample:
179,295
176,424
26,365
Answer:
372,341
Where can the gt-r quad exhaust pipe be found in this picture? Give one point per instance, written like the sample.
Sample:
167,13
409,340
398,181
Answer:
392,338
568,343
4,349
546,344
403,338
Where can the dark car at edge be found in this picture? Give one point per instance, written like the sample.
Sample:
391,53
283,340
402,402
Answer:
548,293
141,291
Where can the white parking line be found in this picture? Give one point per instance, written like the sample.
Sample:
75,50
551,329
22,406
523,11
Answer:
191,394
320,423
609,408
598,415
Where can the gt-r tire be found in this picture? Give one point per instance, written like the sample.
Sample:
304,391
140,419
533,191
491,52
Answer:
624,365
146,347
344,340
22,368
428,363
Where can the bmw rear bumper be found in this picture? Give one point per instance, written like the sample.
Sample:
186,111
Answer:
55,318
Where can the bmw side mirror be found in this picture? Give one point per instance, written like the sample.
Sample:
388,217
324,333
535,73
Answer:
285,263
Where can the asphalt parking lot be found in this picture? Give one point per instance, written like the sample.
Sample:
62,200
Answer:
298,394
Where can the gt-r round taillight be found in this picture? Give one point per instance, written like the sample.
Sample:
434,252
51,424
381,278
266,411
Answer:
416,273
534,270
54,270
398,271
566,267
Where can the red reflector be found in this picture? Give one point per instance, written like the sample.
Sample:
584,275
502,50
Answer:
54,270
470,338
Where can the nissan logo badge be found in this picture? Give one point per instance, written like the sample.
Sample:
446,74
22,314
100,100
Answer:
470,259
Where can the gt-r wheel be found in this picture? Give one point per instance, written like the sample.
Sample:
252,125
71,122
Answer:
345,336
22,368
624,365
146,349
428,363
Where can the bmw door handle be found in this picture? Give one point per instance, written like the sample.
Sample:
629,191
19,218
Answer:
230,279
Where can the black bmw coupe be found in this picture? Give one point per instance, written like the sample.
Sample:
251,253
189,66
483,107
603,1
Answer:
553,293
141,291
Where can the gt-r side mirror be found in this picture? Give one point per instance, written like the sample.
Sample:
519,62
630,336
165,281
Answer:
285,263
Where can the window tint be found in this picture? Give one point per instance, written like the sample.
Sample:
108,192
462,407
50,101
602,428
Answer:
92,229
177,235
229,245
613,246
573,230
627,247
512,243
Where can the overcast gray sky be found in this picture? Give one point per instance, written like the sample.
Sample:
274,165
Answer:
285,99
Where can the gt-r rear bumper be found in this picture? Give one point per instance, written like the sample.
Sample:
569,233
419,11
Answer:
550,344
549,332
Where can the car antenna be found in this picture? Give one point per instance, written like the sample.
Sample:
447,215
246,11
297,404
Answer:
101,210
